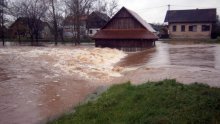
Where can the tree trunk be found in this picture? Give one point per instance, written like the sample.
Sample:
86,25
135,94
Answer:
37,38
32,40
2,25
3,37
77,23
19,34
54,23
19,39
61,36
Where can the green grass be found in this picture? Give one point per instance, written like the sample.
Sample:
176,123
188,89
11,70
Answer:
162,102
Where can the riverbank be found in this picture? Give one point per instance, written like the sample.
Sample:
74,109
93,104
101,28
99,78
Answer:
153,102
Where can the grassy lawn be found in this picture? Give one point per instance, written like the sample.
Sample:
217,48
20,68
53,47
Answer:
154,102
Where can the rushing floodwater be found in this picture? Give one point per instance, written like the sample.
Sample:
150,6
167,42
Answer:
31,93
186,63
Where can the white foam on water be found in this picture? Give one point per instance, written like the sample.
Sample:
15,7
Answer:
89,63
93,63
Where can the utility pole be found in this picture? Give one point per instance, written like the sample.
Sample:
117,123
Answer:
77,23
168,7
2,21
54,23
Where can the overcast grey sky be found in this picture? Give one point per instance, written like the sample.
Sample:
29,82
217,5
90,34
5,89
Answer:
154,11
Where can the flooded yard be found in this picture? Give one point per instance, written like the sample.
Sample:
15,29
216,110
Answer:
40,83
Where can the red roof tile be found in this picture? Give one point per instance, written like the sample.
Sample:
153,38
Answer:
124,34
131,33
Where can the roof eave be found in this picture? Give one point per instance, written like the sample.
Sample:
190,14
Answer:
104,38
191,21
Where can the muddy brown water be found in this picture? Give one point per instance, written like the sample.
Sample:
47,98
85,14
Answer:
31,94
185,63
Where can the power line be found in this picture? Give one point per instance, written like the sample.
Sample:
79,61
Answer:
152,8
181,6
186,6
170,7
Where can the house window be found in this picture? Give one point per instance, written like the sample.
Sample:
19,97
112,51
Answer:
90,31
205,28
183,28
193,28
174,28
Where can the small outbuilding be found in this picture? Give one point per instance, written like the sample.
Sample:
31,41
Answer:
127,31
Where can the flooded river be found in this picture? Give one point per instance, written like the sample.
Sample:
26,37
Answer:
39,84
185,63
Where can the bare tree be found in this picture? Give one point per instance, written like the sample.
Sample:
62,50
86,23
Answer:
34,11
3,6
78,8
112,7
101,6
106,6
55,16
15,12
54,21
55,13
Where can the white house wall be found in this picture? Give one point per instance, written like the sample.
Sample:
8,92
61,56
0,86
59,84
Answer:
189,34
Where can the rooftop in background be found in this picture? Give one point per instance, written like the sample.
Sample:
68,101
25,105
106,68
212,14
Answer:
192,15
102,15
70,19
97,20
27,21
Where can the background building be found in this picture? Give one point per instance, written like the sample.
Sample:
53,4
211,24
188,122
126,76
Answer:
195,23
96,20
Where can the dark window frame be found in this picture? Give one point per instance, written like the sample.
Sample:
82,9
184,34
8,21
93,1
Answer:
90,31
183,28
206,28
174,28
192,28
